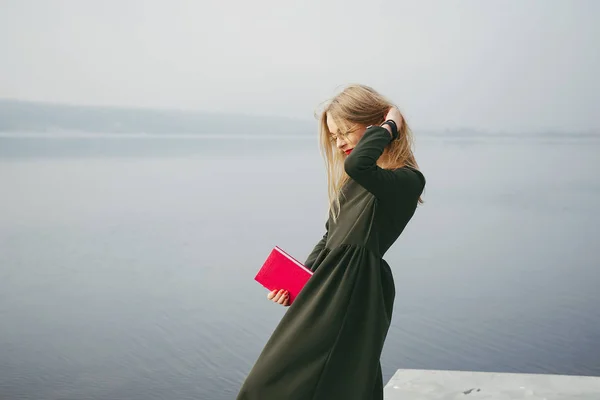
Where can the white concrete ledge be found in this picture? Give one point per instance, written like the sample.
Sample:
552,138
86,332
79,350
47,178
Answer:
466,385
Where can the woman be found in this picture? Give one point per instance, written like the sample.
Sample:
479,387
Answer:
328,344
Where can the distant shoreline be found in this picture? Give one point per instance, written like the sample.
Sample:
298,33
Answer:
41,119
428,137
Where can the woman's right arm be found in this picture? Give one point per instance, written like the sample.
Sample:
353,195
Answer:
312,257
281,296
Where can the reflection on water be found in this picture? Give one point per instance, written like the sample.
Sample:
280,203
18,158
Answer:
127,264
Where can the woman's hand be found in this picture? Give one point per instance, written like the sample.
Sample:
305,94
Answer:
394,115
279,296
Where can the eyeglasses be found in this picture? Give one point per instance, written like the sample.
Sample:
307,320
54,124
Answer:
334,137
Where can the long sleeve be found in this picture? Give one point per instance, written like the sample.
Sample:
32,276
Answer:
361,166
312,257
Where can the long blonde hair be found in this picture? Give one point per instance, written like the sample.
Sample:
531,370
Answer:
360,105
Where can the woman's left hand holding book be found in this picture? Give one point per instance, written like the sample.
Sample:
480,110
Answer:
279,296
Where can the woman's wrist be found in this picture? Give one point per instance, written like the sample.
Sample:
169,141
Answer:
391,127
387,128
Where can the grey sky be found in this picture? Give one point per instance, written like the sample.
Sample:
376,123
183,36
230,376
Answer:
494,65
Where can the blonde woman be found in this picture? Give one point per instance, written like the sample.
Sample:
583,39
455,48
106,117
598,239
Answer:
329,342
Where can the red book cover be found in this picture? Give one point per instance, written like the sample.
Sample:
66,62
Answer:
282,271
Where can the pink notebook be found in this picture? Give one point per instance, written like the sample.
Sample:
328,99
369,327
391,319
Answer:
282,271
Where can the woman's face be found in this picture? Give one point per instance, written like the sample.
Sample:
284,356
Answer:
345,140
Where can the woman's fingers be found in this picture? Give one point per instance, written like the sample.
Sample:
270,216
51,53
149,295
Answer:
280,296
284,297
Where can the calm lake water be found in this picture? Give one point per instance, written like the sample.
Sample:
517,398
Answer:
127,264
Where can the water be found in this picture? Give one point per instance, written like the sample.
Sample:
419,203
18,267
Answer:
127,264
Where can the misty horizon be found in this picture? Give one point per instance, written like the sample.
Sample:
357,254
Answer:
17,116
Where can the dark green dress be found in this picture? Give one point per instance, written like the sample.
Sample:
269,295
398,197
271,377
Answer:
328,344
